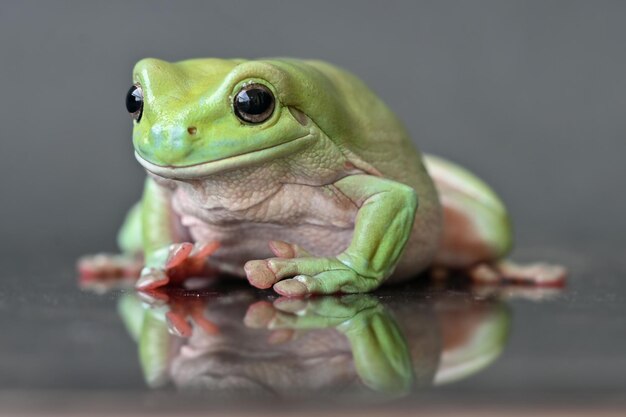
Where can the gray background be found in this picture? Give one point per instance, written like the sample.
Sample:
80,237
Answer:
530,95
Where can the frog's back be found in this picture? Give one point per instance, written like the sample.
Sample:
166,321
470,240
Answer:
355,119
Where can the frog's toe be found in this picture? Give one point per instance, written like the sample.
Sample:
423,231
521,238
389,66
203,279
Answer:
204,250
179,252
535,274
293,287
259,274
188,258
185,261
294,277
152,278
332,281
539,274
287,250
291,260
265,273
106,266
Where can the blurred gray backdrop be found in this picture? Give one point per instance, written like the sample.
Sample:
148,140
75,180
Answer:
531,95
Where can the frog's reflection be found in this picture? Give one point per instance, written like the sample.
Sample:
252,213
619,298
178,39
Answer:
242,340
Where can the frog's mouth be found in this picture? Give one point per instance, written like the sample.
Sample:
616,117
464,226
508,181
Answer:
204,169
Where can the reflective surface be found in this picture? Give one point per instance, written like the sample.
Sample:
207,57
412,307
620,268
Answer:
235,340
417,345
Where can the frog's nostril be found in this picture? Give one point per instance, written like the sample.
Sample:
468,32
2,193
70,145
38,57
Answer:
192,130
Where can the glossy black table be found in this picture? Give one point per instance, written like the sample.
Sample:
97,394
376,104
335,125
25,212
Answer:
228,347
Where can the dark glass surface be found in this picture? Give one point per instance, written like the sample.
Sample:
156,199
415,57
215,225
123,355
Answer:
69,347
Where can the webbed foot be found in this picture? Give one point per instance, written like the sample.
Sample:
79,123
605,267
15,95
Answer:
102,271
182,261
294,272
536,274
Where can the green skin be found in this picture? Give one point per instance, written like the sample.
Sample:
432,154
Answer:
329,141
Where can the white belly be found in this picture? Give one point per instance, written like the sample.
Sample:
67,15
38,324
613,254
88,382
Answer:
318,218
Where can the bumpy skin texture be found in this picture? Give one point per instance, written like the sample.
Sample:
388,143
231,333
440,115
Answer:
327,195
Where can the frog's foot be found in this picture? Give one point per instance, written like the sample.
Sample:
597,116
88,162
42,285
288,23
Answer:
536,274
514,292
101,272
104,265
294,272
184,261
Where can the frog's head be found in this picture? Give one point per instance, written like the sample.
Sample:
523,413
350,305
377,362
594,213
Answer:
197,117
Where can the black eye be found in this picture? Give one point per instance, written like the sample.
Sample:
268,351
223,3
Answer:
134,102
254,103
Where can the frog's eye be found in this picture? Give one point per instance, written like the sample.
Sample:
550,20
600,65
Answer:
254,103
134,102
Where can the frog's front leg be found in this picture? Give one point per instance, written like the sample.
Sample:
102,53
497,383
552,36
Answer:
167,259
382,228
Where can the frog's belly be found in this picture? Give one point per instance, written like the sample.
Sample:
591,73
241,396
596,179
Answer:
248,241
318,219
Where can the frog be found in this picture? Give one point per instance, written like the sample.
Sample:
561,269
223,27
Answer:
295,175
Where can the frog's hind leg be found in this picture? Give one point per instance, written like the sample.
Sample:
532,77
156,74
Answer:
476,225
129,238
477,233
103,269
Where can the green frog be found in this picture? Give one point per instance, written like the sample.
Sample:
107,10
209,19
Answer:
294,174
